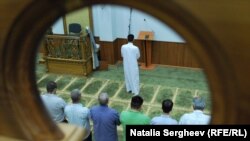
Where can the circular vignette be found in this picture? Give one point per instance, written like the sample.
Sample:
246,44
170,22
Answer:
21,47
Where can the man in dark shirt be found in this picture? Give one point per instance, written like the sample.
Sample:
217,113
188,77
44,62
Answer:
105,120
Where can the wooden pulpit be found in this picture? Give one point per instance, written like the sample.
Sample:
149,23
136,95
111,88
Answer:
147,37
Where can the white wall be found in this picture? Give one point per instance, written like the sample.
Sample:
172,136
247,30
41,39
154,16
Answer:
103,22
111,22
121,18
57,27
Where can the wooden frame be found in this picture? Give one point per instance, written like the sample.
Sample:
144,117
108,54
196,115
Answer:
223,55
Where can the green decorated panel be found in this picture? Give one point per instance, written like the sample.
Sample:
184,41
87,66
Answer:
111,88
63,82
147,92
123,94
164,93
154,111
93,87
118,106
184,98
77,84
93,102
85,100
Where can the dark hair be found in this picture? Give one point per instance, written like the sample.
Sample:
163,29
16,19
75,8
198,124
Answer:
51,86
130,37
167,105
75,95
136,102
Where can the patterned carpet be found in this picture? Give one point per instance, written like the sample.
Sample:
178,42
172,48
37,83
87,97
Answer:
178,84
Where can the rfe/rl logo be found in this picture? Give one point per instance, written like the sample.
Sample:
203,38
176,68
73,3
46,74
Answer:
226,132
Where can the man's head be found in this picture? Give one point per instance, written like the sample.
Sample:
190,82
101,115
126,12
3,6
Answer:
136,102
75,95
51,87
198,103
167,105
103,98
130,38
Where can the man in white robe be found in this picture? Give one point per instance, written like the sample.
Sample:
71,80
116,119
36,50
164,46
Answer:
131,54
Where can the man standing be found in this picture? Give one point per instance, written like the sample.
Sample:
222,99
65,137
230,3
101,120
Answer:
54,104
165,118
134,116
105,120
131,54
197,116
77,114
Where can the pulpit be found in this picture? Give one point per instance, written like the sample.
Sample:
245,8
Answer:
68,54
147,37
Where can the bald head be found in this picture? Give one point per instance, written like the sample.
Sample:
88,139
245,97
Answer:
75,95
103,98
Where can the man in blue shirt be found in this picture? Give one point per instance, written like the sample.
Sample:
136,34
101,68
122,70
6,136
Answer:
54,104
105,120
77,114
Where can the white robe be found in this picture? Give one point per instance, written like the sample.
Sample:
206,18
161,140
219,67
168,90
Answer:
131,54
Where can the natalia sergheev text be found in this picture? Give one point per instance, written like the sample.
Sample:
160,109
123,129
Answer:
182,132
165,132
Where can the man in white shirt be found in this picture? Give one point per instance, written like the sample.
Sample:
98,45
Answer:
165,118
197,116
131,54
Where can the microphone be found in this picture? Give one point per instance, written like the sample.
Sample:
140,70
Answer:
130,18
